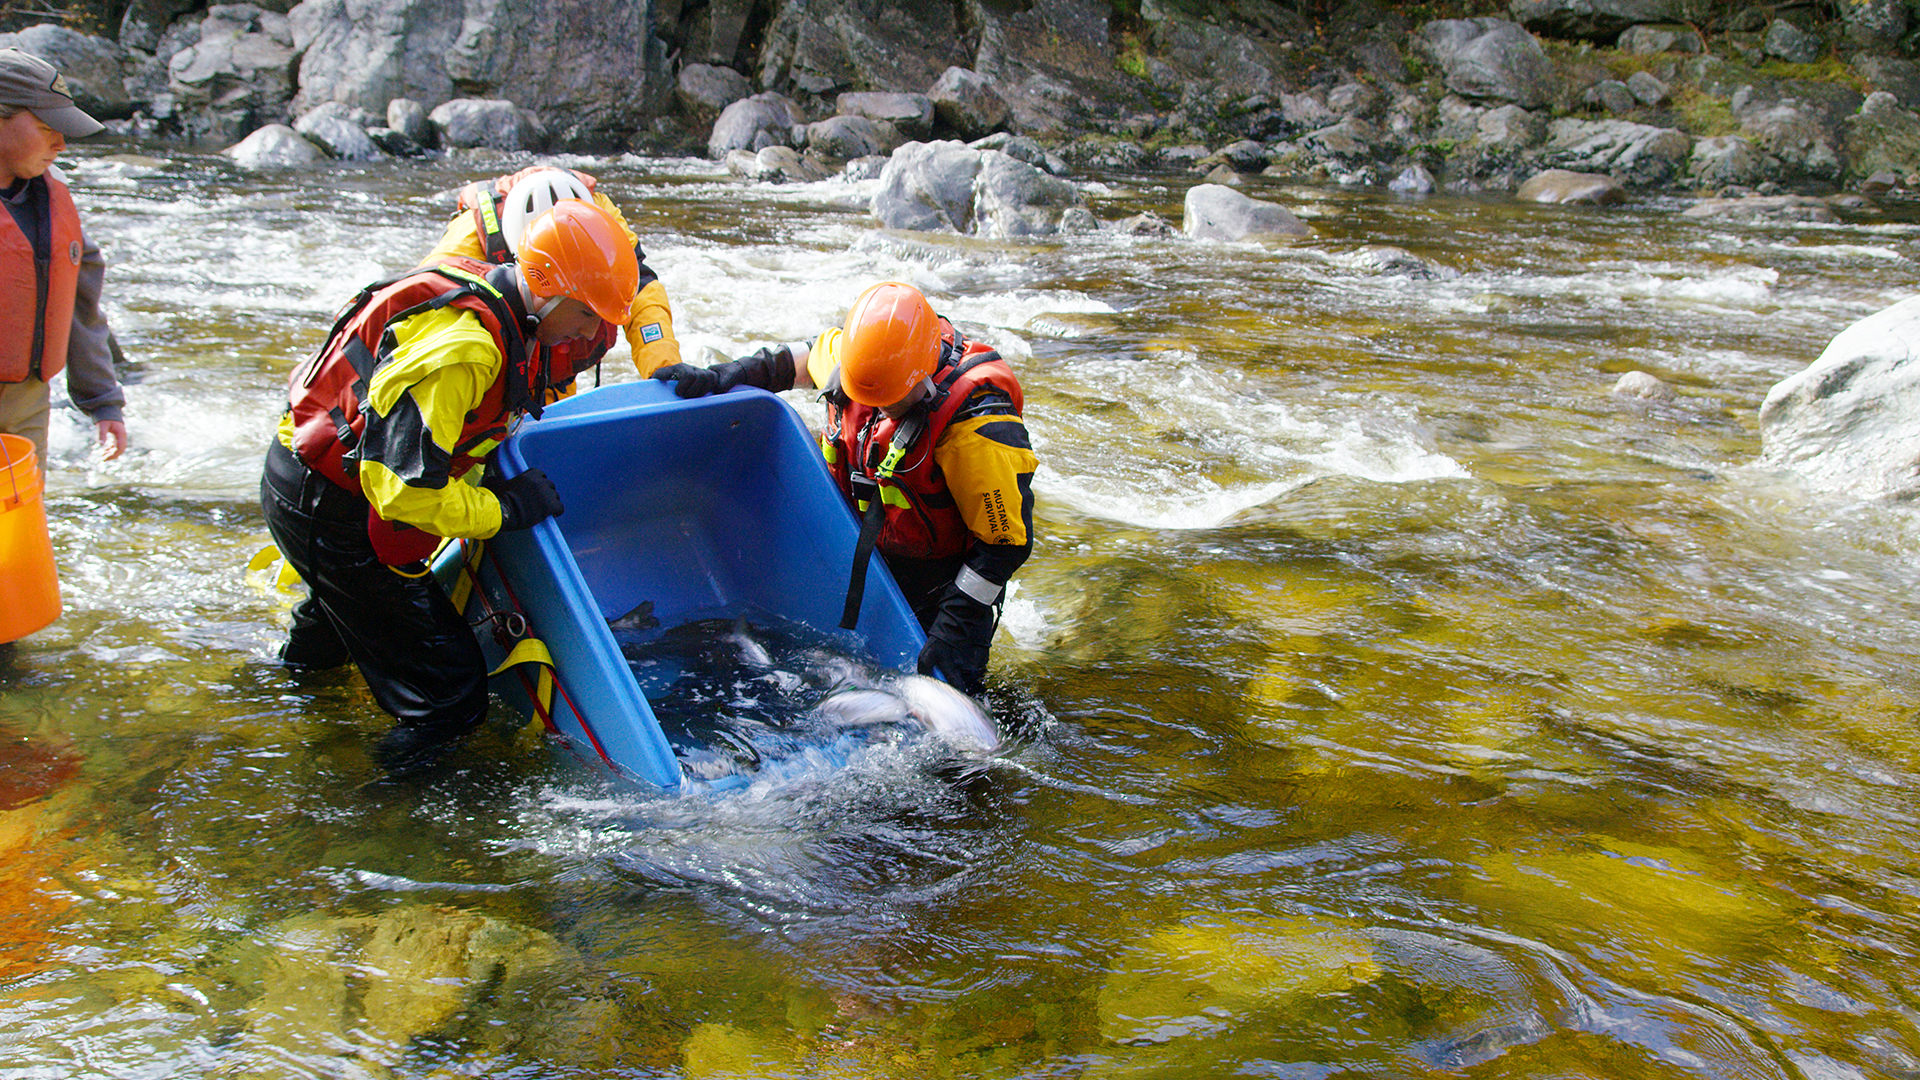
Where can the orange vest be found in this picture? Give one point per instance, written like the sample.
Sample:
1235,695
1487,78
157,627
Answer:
326,391
922,521
46,289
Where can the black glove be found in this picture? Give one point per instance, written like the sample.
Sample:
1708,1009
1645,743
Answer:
958,641
768,369
526,500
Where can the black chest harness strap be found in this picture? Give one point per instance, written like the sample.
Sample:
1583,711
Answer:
874,513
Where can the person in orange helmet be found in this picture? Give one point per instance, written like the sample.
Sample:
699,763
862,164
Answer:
384,447
488,223
925,437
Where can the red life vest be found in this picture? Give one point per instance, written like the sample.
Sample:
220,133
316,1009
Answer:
325,393
43,353
482,198
922,521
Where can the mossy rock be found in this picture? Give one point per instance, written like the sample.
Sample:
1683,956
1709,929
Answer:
1652,909
1210,973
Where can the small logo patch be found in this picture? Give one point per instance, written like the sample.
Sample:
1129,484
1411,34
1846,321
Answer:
651,333
73,251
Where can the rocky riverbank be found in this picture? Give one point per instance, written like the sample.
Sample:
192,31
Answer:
1608,97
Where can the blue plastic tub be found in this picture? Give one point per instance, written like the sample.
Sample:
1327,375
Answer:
711,506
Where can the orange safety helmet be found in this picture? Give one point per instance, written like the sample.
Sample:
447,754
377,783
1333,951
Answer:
578,250
892,342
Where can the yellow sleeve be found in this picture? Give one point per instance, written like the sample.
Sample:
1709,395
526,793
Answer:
824,358
650,330
984,459
442,365
460,238
650,319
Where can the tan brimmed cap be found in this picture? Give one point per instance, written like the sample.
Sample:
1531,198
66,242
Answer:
33,84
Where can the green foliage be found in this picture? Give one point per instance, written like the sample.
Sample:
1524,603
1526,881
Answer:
1132,55
1701,114
1829,68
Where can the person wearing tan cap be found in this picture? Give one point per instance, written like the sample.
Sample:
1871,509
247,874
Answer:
50,274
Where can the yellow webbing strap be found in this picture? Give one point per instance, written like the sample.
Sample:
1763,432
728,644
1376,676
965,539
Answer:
533,651
267,556
469,576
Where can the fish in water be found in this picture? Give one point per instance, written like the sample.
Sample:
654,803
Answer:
948,713
737,691
640,618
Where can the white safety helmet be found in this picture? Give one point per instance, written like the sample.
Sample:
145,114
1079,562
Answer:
534,194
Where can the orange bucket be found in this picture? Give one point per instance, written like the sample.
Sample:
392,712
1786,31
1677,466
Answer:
29,587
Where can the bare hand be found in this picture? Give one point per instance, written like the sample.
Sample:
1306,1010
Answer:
113,438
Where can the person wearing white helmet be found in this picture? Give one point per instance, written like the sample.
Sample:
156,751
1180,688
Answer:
50,273
492,216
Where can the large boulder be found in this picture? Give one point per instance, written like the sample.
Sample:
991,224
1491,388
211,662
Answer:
1850,422
928,187
1217,212
334,128
236,75
1883,137
1489,58
754,123
1593,20
364,53
910,114
1730,160
1639,155
1800,123
409,118
1054,63
819,48
952,187
843,138
1896,75
486,122
966,104
1563,186
597,67
1874,24
144,21
94,67
595,70
703,91
275,146
1202,50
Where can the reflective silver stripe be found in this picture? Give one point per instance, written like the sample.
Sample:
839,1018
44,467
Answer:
970,582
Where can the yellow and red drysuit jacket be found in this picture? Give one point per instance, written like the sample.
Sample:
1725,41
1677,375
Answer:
962,485
441,363
475,233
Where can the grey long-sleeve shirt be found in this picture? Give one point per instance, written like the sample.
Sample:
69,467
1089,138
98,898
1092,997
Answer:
91,382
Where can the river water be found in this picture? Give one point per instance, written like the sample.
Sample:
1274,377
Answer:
1384,697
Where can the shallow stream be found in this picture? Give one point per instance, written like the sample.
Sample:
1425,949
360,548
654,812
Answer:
1384,697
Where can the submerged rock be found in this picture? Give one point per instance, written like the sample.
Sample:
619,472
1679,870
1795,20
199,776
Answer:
1774,208
1214,972
1639,384
360,988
